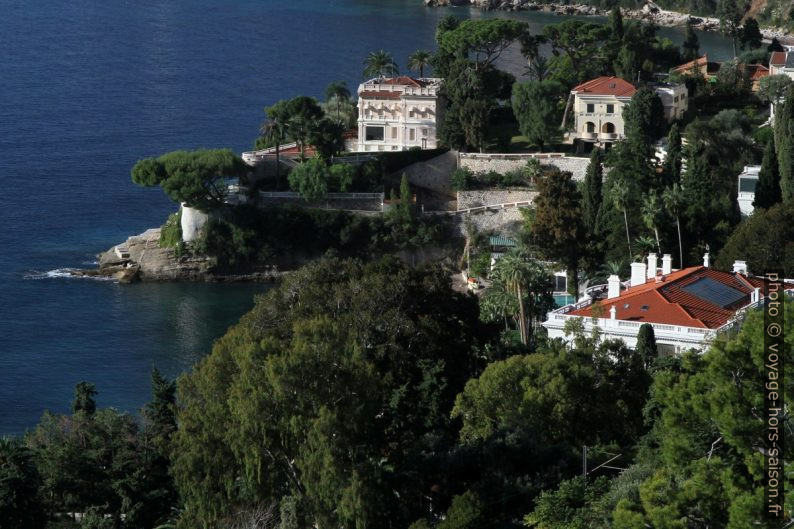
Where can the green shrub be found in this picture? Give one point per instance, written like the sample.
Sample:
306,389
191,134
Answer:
171,233
461,179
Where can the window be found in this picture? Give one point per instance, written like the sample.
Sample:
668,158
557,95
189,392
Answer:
394,133
675,99
412,134
373,133
424,133
590,127
610,109
590,108
560,283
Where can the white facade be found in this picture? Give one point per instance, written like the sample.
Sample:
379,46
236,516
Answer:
396,114
599,118
675,98
784,66
748,179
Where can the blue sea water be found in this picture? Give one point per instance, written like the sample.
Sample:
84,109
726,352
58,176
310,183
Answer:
88,87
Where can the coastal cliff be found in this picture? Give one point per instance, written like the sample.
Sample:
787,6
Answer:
650,12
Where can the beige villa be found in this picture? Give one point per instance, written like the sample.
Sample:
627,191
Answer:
398,113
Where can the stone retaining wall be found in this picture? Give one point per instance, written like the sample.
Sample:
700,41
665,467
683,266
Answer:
346,201
488,197
504,163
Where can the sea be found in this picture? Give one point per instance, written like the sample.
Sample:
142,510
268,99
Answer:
87,87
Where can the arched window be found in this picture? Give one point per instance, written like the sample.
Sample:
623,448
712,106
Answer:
589,127
608,128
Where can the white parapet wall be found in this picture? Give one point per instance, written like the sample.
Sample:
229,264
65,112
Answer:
192,220
495,198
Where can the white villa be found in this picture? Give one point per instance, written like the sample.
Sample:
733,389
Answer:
748,179
782,62
675,99
685,307
598,110
398,113
598,107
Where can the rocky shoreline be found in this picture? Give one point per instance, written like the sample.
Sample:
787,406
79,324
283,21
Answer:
142,259
650,12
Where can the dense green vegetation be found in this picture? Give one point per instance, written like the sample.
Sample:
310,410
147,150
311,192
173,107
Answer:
372,395
246,235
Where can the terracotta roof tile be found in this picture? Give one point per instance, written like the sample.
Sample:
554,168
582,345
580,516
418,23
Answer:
778,58
379,94
759,71
404,80
667,302
614,86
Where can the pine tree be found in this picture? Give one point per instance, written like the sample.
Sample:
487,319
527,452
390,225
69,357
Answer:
767,190
691,45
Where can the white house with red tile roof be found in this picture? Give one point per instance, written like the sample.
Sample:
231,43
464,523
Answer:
398,113
782,63
685,307
597,109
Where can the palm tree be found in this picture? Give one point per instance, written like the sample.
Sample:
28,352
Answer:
527,280
274,130
418,60
611,268
651,209
538,69
673,198
644,244
379,63
620,197
511,270
337,90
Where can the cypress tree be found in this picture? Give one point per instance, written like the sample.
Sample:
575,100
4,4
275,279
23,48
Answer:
616,22
767,191
593,195
672,164
784,138
646,345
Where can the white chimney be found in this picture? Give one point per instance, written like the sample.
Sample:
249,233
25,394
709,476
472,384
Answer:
740,267
637,274
667,264
651,265
613,312
613,289
756,295
706,259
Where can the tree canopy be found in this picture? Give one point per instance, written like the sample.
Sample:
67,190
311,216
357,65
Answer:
196,178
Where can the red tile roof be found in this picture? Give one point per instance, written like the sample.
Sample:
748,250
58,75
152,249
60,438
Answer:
667,302
379,94
778,58
697,63
404,80
758,71
613,86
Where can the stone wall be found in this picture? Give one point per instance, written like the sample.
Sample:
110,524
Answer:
345,201
489,197
504,163
506,221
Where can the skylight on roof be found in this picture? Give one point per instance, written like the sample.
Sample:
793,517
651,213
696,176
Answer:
714,292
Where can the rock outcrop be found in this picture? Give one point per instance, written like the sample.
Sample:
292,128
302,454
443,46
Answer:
140,258
649,12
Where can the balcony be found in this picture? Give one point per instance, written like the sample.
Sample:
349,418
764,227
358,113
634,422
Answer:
608,136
